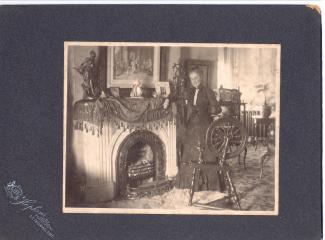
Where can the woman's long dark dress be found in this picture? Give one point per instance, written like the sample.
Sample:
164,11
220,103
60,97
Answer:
199,118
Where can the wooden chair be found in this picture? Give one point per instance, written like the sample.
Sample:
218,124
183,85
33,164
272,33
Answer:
270,143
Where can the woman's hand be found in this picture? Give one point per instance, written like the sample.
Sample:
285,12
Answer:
215,117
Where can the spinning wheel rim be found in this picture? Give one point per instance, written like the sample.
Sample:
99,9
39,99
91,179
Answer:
218,130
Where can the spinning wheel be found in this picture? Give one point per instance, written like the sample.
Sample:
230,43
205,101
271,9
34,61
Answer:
224,128
227,138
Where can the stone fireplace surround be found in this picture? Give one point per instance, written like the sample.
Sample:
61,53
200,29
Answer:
99,162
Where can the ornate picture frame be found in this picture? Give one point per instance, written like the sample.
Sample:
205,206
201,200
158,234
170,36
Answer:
129,64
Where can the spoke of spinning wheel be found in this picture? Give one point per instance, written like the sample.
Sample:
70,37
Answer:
236,130
216,134
218,131
229,149
216,140
217,144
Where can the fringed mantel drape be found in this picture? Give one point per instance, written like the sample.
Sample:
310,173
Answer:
127,113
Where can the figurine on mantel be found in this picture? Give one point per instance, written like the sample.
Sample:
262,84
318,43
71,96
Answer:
136,89
89,72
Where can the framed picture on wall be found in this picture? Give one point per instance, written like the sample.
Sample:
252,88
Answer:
203,65
162,89
130,64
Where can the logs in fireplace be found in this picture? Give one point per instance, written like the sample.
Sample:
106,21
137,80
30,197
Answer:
139,172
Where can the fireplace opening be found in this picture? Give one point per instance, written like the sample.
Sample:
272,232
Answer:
141,167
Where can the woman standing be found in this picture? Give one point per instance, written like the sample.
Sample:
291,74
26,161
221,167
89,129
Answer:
201,104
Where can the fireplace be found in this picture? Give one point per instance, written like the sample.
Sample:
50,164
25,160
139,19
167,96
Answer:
141,163
116,159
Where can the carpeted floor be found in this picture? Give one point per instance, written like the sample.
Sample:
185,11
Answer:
254,193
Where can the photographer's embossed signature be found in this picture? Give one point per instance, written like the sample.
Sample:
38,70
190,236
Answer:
16,196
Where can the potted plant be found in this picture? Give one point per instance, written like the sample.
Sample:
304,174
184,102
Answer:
266,108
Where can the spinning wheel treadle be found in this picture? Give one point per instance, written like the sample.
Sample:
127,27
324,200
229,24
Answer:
226,127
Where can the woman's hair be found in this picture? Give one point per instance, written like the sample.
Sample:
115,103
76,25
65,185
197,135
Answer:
197,71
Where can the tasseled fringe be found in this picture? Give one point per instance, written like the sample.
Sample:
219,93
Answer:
97,129
88,115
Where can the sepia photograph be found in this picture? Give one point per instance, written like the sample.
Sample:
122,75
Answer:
171,128
193,120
